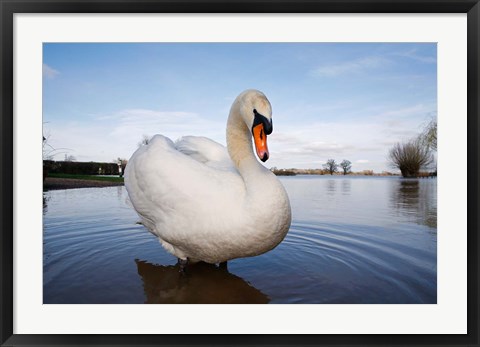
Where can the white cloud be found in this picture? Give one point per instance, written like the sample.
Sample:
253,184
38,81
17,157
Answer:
49,72
349,67
118,135
413,54
133,123
311,145
419,109
367,63
364,141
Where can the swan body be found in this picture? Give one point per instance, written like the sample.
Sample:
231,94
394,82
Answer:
209,203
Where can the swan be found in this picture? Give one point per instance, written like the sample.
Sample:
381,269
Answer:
209,203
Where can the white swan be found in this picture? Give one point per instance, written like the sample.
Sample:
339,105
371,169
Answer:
207,204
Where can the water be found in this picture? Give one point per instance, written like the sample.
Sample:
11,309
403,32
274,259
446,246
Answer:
353,240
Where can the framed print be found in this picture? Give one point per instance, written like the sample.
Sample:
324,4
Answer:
154,184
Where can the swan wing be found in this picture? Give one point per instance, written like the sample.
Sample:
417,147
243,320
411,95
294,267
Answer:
170,188
206,151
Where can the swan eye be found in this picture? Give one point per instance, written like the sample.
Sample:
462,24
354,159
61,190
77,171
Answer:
261,119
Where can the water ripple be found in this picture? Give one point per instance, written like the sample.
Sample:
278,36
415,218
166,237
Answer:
351,241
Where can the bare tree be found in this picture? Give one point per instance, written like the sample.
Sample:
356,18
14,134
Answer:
346,165
48,151
410,157
145,140
331,166
70,158
429,135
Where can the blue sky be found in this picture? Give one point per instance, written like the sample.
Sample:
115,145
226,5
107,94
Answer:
330,100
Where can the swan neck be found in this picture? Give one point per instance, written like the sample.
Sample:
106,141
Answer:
239,141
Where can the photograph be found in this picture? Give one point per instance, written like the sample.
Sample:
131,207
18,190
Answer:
247,173
239,172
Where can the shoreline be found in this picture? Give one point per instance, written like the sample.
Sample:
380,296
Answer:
54,183
57,183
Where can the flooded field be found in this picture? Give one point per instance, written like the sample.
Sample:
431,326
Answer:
353,240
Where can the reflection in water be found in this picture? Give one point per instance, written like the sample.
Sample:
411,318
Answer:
346,187
45,205
416,201
331,187
201,284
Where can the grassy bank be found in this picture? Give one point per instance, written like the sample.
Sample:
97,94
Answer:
88,177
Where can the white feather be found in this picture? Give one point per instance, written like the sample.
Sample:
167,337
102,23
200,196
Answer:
206,151
199,203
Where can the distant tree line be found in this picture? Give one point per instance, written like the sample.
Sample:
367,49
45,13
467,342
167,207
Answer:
330,167
293,172
81,168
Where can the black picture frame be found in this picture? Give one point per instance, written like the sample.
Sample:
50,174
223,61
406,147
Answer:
10,7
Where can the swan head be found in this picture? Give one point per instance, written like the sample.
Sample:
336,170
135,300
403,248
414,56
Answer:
256,112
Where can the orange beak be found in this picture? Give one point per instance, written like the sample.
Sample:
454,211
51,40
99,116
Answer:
260,139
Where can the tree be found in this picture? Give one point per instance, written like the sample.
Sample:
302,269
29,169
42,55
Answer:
70,158
346,165
145,141
429,135
48,151
331,166
410,157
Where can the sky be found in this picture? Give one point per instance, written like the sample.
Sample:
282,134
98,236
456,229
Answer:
337,101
